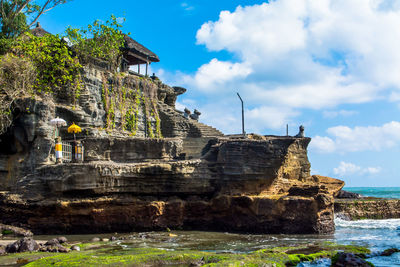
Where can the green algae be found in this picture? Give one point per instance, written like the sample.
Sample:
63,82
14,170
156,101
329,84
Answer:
112,254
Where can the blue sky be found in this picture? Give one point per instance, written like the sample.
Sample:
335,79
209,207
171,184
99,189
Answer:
331,65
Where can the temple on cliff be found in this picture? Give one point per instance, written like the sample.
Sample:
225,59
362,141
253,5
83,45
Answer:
148,166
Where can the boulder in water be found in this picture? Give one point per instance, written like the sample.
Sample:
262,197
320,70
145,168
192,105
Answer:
343,259
25,244
62,239
52,242
75,248
390,251
346,194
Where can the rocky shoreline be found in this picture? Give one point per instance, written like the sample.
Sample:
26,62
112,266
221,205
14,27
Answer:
367,208
110,251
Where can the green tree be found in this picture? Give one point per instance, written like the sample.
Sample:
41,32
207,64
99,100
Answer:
14,13
99,40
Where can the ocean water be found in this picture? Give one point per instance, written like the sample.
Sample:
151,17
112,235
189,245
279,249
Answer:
384,192
378,235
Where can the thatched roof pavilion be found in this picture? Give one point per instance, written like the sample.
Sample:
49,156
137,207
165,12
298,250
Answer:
136,53
39,31
133,52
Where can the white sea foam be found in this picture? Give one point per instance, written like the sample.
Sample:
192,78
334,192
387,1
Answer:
391,224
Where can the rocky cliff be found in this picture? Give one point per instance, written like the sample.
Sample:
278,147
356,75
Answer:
148,166
237,185
367,208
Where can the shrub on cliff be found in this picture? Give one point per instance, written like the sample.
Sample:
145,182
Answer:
37,66
102,41
57,70
17,76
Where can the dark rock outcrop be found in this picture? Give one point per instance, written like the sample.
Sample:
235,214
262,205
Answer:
25,244
238,185
368,208
348,195
343,259
390,252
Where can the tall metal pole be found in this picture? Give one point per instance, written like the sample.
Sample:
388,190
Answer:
241,100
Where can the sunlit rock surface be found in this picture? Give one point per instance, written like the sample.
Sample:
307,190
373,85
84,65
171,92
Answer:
192,178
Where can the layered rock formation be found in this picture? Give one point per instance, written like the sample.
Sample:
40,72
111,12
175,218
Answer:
367,208
237,185
193,178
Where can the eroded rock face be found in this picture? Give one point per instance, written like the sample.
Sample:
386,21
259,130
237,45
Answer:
194,179
238,185
368,208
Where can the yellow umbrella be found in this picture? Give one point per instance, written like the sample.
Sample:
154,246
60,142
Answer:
74,129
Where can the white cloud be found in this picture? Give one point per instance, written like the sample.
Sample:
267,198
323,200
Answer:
186,6
323,144
347,168
330,114
216,73
370,138
179,106
274,117
302,54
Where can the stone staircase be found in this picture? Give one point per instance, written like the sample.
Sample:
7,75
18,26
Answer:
206,130
175,124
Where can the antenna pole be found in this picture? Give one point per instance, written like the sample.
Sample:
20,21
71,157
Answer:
243,132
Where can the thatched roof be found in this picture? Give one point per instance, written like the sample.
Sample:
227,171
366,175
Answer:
39,31
136,53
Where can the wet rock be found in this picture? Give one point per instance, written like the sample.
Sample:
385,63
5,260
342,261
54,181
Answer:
21,261
198,263
105,239
62,249
390,251
17,231
346,194
52,242
343,259
95,239
25,244
143,235
75,248
62,239
368,208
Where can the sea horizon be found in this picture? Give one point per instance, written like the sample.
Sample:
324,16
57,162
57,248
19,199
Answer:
379,192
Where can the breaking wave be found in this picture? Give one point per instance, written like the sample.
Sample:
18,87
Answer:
390,224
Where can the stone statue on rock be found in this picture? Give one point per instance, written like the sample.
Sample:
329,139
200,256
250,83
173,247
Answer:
196,114
301,132
187,113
